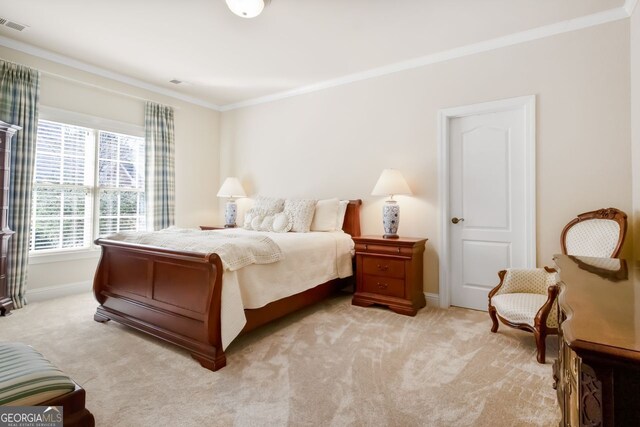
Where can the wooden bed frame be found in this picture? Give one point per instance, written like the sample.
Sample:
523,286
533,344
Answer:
176,295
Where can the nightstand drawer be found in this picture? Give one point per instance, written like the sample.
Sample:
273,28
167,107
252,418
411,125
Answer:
372,248
383,286
379,266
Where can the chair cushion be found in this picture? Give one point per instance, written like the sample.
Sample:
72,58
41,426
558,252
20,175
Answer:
522,308
27,378
527,281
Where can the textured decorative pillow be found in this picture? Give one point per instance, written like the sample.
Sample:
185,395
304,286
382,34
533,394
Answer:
326,213
256,222
301,212
282,222
248,217
342,211
268,205
267,223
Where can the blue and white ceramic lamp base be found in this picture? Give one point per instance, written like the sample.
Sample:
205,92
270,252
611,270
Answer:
390,219
230,214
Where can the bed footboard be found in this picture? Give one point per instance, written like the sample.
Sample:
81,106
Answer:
173,295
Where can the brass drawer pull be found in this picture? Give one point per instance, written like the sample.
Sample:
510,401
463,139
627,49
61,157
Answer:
382,285
383,267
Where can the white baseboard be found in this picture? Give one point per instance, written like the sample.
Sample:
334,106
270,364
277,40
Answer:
50,292
433,300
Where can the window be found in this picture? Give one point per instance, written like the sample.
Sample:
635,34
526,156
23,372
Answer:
120,183
87,183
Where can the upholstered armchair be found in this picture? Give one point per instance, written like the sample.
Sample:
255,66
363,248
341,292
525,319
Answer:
526,298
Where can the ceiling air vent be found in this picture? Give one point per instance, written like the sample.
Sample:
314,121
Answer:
13,25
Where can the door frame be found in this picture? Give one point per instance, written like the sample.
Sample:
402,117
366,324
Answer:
444,121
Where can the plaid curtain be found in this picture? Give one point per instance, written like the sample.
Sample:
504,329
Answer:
159,166
19,92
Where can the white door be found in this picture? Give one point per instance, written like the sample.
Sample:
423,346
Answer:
489,201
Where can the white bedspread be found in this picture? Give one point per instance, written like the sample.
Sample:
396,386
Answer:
309,260
236,249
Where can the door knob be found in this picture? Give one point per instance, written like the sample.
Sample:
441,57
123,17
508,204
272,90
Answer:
456,220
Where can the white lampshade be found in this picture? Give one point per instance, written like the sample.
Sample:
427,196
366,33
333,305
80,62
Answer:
247,8
390,183
231,188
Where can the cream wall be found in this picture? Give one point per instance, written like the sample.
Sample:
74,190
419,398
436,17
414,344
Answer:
635,122
336,142
196,151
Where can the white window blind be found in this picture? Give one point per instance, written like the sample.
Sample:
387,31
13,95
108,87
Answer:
121,183
72,204
62,187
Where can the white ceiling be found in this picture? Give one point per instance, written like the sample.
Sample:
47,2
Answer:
227,59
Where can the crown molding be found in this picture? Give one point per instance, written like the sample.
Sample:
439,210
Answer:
629,6
83,66
459,52
595,19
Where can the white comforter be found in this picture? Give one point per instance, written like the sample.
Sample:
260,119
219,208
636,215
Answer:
235,248
309,260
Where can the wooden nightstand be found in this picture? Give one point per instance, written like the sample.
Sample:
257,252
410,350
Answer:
389,272
212,227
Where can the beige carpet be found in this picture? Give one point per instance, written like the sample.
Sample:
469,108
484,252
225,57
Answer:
332,364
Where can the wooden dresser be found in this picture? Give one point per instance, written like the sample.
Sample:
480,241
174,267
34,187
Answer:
597,373
6,133
389,272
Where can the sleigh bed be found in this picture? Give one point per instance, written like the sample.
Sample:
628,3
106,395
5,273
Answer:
177,295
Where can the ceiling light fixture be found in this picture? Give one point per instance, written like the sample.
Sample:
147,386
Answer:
247,8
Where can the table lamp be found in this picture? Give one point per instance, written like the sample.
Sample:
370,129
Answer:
232,189
390,183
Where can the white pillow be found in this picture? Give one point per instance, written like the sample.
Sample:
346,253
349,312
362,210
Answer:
326,213
301,212
267,223
256,222
282,222
342,211
268,205
248,217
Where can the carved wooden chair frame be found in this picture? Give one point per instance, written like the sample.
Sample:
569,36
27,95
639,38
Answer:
540,329
612,214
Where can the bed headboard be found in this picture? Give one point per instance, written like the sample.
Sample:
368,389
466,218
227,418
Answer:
351,224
